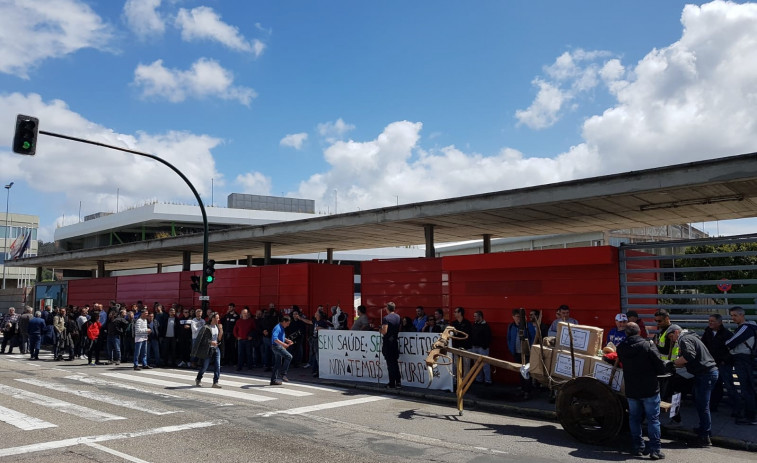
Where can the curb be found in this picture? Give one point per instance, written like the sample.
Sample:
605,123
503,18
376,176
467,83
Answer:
546,415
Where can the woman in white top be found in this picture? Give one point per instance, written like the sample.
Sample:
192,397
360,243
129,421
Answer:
141,331
208,348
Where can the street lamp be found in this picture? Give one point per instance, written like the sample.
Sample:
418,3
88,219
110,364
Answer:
7,230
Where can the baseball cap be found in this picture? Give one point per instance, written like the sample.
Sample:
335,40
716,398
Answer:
621,317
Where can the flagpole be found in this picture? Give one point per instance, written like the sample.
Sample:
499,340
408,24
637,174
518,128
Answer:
7,230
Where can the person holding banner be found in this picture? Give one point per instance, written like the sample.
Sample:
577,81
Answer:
390,328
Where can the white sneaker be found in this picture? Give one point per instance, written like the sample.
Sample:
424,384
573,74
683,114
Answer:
182,364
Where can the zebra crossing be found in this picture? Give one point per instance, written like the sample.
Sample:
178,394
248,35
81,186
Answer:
173,390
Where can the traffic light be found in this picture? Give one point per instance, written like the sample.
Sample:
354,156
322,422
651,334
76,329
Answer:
196,284
208,271
25,138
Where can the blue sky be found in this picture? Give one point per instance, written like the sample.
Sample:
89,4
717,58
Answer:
377,101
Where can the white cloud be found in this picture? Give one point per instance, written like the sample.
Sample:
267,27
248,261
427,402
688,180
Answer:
254,183
294,140
76,172
143,18
333,131
689,101
374,173
204,79
203,23
571,75
32,31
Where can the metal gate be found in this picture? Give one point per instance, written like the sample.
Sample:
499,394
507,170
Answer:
690,277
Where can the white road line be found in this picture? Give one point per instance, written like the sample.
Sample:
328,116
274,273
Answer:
116,453
99,396
326,406
187,387
59,405
113,384
224,382
295,384
22,421
44,446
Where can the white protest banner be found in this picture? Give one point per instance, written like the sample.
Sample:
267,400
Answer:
356,356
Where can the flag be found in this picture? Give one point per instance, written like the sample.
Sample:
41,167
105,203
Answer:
20,245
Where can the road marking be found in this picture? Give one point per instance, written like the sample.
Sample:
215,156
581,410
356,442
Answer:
99,396
59,405
326,406
202,390
116,453
22,421
44,446
113,384
304,386
224,382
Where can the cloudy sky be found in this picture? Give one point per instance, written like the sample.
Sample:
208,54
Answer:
373,103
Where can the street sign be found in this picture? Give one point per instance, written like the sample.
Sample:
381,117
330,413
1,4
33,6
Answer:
204,298
724,286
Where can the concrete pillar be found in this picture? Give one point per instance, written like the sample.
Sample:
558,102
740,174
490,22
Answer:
38,276
487,244
186,261
249,260
160,268
100,269
429,232
267,256
329,255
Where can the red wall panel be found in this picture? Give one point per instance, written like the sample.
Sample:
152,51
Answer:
331,285
91,290
160,287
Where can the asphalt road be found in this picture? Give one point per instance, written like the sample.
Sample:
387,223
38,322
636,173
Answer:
71,412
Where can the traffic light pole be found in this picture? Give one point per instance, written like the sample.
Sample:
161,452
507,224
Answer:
204,287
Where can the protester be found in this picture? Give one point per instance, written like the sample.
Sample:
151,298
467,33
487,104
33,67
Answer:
406,325
23,328
641,366
741,346
184,338
229,349
563,315
363,323
431,325
618,334
36,330
390,327
480,339
633,316
91,335
207,349
714,338
420,318
521,350
141,333
698,362
281,357
243,329
441,321
10,330
168,337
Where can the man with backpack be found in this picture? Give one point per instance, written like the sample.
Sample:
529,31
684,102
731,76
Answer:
742,346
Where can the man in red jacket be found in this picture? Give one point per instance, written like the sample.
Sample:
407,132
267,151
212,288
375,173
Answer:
243,329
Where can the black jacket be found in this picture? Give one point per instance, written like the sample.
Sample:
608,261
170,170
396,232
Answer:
699,361
641,365
466,327
481,335
715,343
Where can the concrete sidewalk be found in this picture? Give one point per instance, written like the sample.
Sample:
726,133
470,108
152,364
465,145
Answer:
504,399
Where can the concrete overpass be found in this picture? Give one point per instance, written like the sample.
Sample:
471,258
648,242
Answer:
717,189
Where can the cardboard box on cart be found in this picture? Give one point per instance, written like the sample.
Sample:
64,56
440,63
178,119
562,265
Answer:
602,371
586,339
539,364
561,367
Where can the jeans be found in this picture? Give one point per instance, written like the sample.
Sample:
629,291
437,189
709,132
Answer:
215,357
168,351
703,386
35,342
281,360
244,353
140,353
114,348
486,371
153,351
742,364
637,408
265,349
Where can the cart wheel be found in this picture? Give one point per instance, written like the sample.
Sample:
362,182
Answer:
589,410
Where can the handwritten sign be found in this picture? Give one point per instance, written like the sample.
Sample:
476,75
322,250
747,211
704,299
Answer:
356,356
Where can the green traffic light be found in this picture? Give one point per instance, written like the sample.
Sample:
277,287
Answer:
27,145
209,279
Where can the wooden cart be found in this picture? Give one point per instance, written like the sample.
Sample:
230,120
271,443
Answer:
587,409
